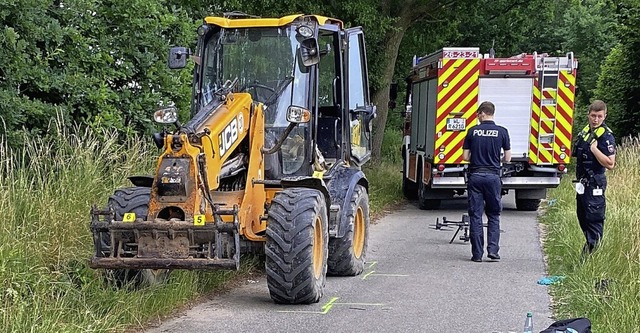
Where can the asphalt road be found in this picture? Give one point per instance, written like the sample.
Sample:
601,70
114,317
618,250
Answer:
415,281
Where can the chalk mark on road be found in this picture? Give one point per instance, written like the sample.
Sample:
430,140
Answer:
373,273
329,305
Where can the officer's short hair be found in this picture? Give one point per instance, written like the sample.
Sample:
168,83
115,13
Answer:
487,108
597,106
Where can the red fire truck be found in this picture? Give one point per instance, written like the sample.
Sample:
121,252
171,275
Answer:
534,98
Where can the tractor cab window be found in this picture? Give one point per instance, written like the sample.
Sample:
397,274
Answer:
358,97
327,68
265,63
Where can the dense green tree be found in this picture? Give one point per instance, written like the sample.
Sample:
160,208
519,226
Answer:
101,62
619,81
104,62
588,29
510,27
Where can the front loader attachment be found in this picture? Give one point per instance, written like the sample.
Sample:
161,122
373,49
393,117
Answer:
162,244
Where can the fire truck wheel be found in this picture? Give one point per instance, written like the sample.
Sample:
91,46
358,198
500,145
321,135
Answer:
423,202
409,188
296,247
527,204
347,254
132,200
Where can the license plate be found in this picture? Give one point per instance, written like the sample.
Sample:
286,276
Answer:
456,124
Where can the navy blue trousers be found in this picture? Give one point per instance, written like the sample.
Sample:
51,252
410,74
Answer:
591,212
484,196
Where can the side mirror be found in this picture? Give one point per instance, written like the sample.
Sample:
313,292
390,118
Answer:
369,120
309,52
178,57
370,113
393,95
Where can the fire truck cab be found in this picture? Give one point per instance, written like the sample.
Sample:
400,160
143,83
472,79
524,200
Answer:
534,98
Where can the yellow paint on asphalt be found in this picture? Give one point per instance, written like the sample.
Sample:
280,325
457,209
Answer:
325,308
329,305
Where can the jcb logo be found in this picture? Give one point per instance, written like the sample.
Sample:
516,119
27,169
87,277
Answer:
228,137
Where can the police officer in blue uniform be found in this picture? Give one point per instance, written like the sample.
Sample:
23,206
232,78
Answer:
595,150
481,148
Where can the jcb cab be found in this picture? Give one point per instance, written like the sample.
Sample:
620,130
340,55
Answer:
270,160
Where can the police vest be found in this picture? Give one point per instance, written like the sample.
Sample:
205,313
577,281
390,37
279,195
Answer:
587,163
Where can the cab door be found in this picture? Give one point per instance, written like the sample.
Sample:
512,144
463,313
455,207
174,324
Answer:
360,110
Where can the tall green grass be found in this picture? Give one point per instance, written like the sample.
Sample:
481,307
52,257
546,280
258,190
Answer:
46,191
385,176
605,287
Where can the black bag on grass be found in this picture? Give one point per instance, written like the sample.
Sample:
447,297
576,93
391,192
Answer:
573,325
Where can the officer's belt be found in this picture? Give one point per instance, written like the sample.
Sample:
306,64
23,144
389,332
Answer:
593,179
488,170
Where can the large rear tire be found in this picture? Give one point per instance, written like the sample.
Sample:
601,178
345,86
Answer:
425,203
133,200
347,254
409,188
296,246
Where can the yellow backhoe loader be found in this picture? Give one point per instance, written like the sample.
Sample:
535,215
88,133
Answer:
270,160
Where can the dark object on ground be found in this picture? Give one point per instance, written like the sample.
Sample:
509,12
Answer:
579,325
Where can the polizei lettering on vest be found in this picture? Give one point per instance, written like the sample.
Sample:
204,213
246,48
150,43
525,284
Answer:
479,132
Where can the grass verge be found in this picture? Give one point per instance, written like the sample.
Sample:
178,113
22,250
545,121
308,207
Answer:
46,191
385,176
606,287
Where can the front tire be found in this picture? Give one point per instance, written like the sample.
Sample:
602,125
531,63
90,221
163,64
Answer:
347,254
133,200
296,247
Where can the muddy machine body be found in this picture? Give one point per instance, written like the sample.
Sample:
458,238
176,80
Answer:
269,161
